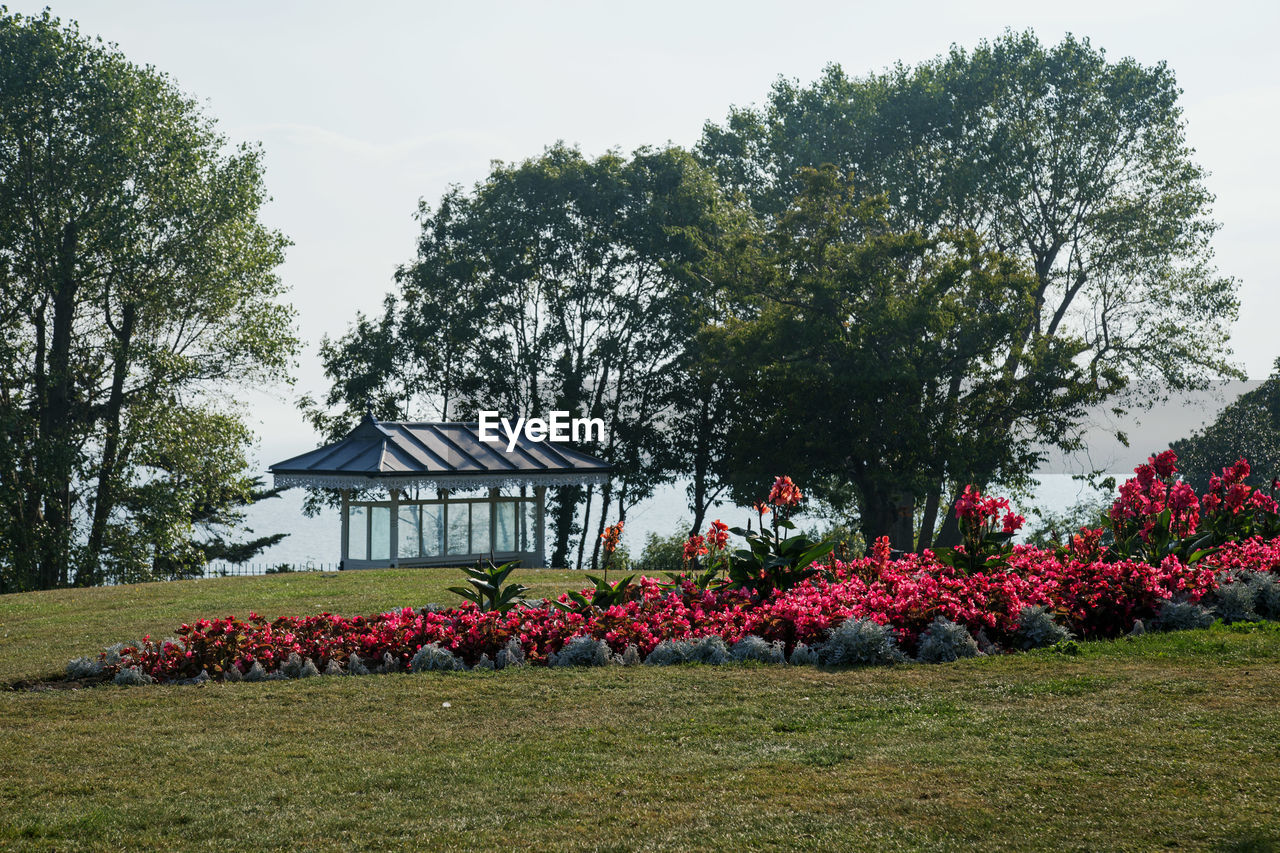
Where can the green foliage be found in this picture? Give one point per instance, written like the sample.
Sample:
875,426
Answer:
139,292
661,553
1249,428
559,282
773,560
605,595
1112,230
922,329
489,591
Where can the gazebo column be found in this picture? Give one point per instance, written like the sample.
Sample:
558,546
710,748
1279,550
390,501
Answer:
493,522
393,549
346,527
540,530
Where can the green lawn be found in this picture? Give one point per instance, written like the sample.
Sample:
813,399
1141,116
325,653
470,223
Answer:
41,631
1165,741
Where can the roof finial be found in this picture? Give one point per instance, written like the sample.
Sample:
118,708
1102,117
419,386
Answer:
368,412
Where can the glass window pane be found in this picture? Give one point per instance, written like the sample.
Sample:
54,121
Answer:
480,528
357,534
380,533
505,533
459,528
432,530
409,532
530,525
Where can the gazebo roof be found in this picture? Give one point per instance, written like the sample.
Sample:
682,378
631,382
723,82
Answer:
397,454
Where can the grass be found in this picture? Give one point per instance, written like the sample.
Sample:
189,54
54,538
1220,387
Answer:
41,631
1165,741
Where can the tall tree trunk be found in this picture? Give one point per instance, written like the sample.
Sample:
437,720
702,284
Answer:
886,513
586,523
606,500
566,499
56,421
701,465
949,535
930,519
104,501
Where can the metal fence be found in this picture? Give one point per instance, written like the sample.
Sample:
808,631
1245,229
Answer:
227,570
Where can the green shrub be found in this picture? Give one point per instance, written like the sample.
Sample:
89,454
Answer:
491,592
662,553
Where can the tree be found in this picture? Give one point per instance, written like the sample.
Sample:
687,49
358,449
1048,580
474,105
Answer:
138,287
557,283
915,330
1074,165
1249,428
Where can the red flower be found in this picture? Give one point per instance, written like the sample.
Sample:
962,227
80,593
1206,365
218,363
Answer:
611,536
1182,497
694,548
785,493
718,534
1013,522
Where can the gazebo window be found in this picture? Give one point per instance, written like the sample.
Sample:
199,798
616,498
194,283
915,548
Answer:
420,494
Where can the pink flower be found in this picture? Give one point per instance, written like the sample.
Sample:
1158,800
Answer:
1165,464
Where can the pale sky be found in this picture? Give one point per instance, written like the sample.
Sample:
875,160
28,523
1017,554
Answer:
363,109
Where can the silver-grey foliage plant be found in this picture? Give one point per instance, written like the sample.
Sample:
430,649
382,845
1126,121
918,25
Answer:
432,657
708,650
859,642
1038,630
512,654
132,676
944,641
756,648
1183,616
582,651
355,666
1266,593
1234,601
803,655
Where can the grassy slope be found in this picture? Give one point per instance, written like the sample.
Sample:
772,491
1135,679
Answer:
1166,741
41,631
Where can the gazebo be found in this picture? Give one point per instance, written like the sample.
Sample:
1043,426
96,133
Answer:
433,494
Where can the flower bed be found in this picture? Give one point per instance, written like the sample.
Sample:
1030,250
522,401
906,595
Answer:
981,595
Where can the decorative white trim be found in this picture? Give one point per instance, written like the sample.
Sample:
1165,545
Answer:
502,480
